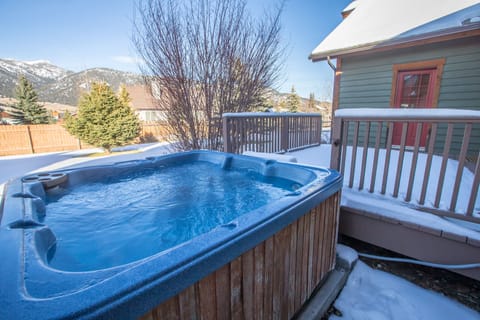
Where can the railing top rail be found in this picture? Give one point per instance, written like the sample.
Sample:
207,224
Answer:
405,114
269,114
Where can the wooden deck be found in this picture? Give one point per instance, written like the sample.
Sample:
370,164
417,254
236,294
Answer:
416,176
429,244
424,188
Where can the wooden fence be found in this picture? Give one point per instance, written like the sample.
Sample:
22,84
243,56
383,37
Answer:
25,139
270,132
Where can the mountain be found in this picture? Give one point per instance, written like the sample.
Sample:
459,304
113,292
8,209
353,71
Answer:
55,84
68,89
40,73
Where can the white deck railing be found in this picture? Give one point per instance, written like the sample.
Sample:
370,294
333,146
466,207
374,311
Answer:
429,156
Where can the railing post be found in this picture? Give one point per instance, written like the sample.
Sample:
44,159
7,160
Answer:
30,141
336,143
319,130
284,134
225,132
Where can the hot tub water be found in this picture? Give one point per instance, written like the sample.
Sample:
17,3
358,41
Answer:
135,215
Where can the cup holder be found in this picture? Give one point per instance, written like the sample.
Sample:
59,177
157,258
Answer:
48,180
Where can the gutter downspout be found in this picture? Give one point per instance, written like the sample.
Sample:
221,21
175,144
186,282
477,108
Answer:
337,72
329,61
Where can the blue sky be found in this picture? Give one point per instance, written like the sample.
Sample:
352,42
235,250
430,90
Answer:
81,34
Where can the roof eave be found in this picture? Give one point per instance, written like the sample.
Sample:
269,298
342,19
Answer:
404,42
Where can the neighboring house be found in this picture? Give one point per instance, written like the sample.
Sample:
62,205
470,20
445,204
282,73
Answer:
406,54
143,103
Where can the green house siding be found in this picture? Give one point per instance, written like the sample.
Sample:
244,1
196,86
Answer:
366,82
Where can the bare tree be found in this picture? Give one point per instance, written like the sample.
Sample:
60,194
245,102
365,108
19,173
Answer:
208,57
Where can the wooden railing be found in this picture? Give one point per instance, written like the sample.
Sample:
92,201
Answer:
417,155
270,132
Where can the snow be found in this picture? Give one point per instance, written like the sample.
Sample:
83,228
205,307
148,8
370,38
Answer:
273,156
398,209
376,21
347,254
38,68
406,113
376,295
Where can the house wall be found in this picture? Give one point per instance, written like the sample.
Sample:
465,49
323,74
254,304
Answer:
366,81
151,115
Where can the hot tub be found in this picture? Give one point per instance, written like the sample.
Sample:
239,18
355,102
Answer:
195,234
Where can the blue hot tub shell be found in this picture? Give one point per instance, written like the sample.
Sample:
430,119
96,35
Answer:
31,289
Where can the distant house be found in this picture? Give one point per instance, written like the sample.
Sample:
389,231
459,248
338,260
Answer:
405,54
143,103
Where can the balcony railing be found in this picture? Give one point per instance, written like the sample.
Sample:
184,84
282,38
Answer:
419,156
270,132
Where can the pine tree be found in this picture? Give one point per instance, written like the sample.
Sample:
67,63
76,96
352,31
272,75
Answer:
293,101
27,110
124,96
103,119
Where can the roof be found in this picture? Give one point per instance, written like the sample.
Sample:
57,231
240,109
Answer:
141,98
384,23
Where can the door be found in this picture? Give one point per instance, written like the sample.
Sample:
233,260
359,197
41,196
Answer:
414,89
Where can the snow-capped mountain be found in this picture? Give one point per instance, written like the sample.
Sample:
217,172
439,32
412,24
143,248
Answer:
68,89
55,84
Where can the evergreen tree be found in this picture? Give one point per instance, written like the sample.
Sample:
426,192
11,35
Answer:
311,101
27,110
124,96
103,119
293,101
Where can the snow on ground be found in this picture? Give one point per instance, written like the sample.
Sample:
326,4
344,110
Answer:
376,203
369,294
376,295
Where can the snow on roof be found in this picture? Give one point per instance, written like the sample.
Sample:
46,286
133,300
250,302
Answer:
381,22
407,113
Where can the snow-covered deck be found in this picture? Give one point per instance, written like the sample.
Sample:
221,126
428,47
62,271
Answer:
394,224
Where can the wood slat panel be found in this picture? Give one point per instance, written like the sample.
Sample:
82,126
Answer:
461,164
413,165
364,155
401,155
475,183
222,291
206,297
187,308
428,164
292,269
446,151
354,154
375,157
387,158
268,291
236,299
248,279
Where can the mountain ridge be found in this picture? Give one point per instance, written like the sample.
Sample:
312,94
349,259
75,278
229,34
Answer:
55,84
